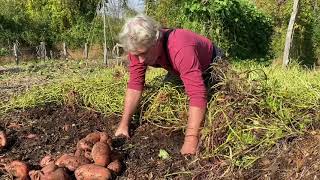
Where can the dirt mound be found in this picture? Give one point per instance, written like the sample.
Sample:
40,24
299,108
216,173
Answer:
35,133
55,130
293,158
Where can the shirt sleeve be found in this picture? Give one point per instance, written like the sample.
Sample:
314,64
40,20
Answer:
188,65
137,73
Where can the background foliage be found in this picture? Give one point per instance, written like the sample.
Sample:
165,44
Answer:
306,30
55,21
237,26
246,28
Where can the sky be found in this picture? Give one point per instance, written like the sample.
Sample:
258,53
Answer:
113,7
137,5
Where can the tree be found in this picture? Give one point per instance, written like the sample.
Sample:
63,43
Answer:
290,33
13,21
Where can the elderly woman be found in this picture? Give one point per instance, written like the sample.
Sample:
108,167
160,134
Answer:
179,51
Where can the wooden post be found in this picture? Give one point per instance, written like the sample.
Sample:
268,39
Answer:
104,33
43,50
9,44
51,54
289,36
15,53
86,51
65,53
116,52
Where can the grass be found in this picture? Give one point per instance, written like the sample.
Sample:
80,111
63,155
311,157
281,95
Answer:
98,87
256,106
253,112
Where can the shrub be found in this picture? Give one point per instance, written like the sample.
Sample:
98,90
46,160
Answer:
241,29
4,52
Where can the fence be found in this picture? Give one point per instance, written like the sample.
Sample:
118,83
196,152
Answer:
62,52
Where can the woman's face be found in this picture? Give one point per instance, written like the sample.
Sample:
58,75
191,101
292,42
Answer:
148,56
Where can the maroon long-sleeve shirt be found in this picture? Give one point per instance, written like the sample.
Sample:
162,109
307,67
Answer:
189,56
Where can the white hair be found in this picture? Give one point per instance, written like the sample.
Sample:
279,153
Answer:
140,31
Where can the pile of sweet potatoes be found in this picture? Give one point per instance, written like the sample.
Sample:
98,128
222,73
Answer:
93,159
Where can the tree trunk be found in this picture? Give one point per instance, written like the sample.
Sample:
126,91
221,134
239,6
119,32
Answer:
289,36
43,50
15,53
65,52
105,35
86,51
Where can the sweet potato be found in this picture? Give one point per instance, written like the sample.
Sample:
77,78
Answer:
35,175
92,171
93,137
57,174
48,159
71,162
83,153
115,166
87,154
105,138
49,168
101,154
85,144
18,169
79,152
3,139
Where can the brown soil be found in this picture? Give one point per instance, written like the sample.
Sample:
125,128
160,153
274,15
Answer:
293,158
54,130
34,133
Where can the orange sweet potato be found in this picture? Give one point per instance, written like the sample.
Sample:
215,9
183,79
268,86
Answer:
115,166
71,162
83,153
3,139
18,169
38,175
35,175
93,137
79,152
101,154
87,154
49,168
84,144
92,171
56,174
48,159
105,138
